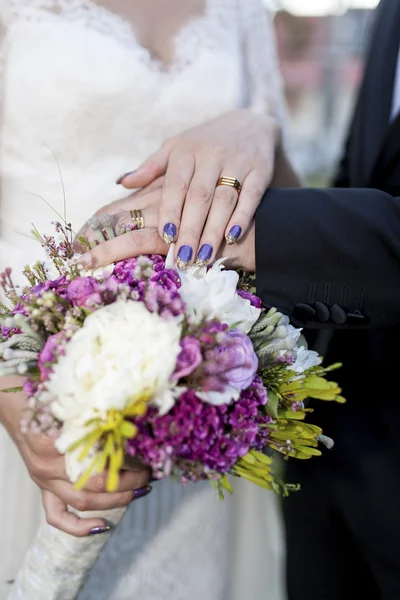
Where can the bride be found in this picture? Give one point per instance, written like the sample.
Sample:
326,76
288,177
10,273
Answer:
91,89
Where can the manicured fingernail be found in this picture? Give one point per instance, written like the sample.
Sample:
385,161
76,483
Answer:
184,256
142,492
98,530
204,255
169,233
119,180
234,234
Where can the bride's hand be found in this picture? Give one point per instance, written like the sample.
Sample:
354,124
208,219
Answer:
47,469
194,211
147,240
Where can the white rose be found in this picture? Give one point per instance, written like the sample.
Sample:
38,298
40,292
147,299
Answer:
121,352
212,294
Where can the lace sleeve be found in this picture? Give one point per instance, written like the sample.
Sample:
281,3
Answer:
264,78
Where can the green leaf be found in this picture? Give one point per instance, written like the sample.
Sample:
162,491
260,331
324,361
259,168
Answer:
12,390
84,243
299,415
226,484
272,405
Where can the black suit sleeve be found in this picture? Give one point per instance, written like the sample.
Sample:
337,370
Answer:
330,257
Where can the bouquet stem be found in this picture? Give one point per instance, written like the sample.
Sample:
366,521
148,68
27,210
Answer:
57,564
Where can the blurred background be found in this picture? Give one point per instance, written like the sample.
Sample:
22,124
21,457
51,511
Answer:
321,46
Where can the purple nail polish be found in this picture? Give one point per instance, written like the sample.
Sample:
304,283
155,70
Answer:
169,233
234,234
98,530
184,256
204,255
119,180
142,492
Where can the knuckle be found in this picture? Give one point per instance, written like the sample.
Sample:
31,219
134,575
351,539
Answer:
199,194
255,192
124,499
147,238
176,183
81,502
226,195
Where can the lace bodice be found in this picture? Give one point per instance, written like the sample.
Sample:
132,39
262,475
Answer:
78,86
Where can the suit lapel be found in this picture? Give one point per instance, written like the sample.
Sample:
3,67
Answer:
377,92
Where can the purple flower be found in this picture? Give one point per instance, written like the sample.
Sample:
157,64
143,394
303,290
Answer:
58,285
124,271
84,291
167,278
53,348
189,358
162,300
233,360
30,388
7,332
254,300
195,436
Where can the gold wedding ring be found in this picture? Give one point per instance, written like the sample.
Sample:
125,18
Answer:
137,219
231,182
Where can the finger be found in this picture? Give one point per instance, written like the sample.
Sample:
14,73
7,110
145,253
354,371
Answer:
176,186
196,207
133,243
128,481
119,211
223,206
58,515
155,166
83,500
253,189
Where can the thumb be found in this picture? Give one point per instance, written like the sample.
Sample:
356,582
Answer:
153,168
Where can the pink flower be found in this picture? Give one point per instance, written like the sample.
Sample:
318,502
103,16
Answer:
84,291
189,358
53,348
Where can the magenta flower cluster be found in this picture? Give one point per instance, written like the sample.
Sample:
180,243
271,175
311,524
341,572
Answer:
198,437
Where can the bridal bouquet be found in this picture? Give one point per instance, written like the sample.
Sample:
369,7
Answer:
182,370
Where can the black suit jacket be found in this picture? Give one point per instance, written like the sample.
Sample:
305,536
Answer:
331,260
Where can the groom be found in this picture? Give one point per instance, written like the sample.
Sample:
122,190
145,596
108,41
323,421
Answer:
331,260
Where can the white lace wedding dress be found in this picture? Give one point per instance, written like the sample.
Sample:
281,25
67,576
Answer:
76,85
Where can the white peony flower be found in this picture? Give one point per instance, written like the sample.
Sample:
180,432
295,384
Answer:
212,294
122,351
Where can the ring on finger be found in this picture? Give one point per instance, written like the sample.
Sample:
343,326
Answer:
137,218
231,182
